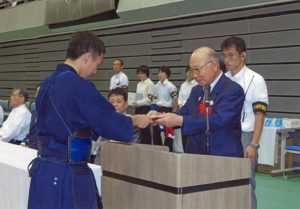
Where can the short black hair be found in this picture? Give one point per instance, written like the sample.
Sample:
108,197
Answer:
84,42
118,91
120,60
239,44
143,69
165,70
22,93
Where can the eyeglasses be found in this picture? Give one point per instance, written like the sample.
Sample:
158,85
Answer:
199,68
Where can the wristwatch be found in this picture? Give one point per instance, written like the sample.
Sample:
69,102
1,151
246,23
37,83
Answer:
255,146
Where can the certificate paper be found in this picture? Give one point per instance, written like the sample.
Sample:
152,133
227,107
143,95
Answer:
131,98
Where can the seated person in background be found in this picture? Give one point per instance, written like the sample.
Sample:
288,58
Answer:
31,138
16,126
118,98
1,115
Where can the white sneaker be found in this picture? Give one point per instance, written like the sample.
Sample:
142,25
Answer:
14,3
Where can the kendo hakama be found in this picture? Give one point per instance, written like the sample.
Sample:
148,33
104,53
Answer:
68,186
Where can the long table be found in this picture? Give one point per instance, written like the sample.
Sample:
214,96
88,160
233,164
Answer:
284,134
14,179
270,150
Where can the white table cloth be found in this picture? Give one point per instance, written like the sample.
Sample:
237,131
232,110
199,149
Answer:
14,179
267,153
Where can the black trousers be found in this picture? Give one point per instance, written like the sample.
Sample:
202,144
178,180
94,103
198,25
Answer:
184,139
145,134
17,142
156,131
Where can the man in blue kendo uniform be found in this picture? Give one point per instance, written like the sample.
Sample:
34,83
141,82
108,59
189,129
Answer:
69,107
225,109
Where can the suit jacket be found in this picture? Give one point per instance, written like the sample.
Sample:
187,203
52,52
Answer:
225,125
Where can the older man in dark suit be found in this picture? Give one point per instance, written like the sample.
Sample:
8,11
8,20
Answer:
224,110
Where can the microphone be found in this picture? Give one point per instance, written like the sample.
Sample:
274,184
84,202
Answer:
207,95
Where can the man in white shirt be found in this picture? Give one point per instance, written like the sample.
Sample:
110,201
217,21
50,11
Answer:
16,126
256,99
119,79
186,87
184,93
144,96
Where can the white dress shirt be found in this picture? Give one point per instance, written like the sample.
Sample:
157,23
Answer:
145,91
17,125
255,90
118,80
1,115
164,91
185,91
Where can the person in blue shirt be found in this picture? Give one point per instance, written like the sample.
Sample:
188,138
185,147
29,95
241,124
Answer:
69,108
225,103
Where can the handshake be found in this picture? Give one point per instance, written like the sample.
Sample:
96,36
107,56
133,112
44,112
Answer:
154,118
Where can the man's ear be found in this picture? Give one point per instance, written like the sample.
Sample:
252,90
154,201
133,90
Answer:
214,64
23,100
85,57
244,55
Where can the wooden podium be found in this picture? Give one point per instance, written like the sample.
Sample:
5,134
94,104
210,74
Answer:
149,177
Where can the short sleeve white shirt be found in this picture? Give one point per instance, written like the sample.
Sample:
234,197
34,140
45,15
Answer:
144,92
163,91
185,91
255,90
118,80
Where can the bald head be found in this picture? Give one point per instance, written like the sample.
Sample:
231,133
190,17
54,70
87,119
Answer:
204,54
205,65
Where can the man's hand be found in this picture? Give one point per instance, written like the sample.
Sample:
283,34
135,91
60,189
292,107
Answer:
250,153
169,120
153,114
141,121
